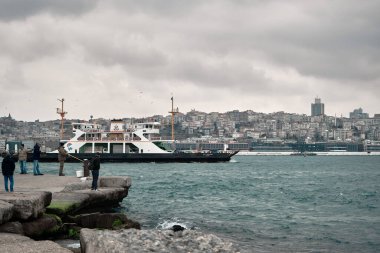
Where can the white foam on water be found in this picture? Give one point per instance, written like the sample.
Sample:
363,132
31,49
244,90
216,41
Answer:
168,224
74,245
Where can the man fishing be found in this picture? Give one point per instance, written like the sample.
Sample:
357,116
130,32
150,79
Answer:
62,155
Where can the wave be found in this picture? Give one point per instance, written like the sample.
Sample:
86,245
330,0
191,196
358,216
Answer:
168,224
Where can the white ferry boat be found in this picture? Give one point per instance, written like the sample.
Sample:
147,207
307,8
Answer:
138,142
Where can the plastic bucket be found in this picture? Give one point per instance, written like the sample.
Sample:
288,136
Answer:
79,173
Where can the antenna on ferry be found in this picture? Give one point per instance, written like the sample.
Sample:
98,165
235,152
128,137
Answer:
61,112
173,112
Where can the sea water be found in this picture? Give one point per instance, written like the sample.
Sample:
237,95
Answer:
261,203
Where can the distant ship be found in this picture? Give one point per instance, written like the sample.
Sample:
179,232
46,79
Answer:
303,154
138,142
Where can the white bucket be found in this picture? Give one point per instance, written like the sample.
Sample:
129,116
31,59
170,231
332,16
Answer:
79,173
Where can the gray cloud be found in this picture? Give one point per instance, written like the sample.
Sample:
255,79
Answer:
212,55
22,9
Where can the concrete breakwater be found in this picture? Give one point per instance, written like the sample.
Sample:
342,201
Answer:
45,208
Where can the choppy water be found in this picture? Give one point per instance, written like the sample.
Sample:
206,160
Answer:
262,203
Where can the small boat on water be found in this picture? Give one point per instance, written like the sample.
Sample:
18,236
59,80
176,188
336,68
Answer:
123,143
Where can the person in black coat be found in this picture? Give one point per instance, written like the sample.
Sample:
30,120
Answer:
95,167
8,168
36,158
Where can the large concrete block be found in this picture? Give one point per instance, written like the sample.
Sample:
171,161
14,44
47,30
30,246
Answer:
13,227
68,202
105,196
6,211
27,204
35,228
111,182
71,202
13,243
116,182
132,240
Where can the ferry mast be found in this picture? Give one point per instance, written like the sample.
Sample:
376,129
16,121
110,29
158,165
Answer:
61,112
173,112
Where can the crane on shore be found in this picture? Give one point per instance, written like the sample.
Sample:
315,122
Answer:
62,113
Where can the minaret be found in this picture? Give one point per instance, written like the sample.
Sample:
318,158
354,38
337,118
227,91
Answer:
173,112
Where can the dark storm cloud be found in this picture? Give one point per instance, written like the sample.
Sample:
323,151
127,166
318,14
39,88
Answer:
21,9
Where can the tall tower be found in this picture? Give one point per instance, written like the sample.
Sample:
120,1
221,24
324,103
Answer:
317,108
61,112
173,112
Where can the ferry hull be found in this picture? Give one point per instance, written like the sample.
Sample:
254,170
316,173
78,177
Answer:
142,158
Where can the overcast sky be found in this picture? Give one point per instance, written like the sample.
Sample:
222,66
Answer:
126,58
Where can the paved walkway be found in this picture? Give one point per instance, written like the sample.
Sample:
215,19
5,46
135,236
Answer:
29,182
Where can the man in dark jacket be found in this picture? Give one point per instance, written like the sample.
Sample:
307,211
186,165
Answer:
8,168
62,155
95,167
36,158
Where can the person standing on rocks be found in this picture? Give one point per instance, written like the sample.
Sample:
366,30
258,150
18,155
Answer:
36,158
7,168
62,155
22,157
95,167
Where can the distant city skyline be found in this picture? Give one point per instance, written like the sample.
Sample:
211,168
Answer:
122,59
357,112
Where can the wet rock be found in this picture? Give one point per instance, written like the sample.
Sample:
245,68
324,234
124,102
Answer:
27,205
95,241
104,220
13,243
177,228
68,202
40,226
12,227
71,202
129,224
6,211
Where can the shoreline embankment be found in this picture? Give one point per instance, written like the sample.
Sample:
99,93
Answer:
49,207
43,209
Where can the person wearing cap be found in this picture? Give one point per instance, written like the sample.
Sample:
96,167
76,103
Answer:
7,168
22,157
62,154
95,167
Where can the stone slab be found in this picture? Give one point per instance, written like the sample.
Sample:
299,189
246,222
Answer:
13,243
117,182
27,204
51,183
105,196
132,240
70,202
39,226
6,211
13,227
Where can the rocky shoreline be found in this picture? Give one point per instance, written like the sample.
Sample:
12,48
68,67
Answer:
31,220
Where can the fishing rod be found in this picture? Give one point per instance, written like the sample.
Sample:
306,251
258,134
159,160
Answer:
75,158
